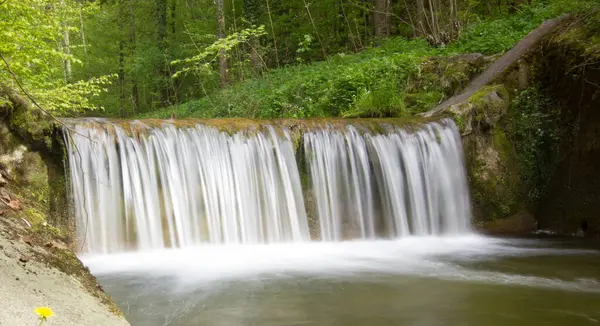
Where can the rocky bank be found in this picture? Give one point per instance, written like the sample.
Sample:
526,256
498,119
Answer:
38,266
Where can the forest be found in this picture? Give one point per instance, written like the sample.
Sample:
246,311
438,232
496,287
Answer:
314,162
250,58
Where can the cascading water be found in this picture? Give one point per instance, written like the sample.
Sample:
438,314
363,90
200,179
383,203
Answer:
140,187
174,187
400,184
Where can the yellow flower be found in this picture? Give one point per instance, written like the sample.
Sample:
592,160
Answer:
44,312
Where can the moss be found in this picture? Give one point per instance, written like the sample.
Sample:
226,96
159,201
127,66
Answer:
422,101
32,125
502,144
490,103
521,223
459,120
446,76
582,37
493,175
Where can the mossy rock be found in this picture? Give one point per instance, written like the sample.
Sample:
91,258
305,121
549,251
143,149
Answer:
521,223
447,75
582,38
462,114
491,104
493,175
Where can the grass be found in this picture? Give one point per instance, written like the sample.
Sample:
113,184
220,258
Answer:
385,81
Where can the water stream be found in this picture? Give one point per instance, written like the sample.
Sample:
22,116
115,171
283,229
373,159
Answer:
188,225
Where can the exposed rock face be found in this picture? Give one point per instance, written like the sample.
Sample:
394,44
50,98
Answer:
571,73
38,266
523,222
555,177
491,163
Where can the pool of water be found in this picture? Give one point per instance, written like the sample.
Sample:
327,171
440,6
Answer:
424,281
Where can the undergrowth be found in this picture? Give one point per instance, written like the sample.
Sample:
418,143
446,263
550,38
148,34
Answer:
377,82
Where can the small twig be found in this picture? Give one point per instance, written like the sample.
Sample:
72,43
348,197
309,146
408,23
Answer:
584,64
26,222
592,83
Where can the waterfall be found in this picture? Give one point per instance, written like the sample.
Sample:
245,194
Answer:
137,187
401,183
177,187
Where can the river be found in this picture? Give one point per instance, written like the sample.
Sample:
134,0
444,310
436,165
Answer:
425,281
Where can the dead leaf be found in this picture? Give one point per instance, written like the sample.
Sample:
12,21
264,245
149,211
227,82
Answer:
28,240
14,204
56,244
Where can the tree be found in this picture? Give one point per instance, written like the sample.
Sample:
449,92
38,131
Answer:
121,73
35,51
252,13
381,19
221,35
66,45
438,20
161,35
132,46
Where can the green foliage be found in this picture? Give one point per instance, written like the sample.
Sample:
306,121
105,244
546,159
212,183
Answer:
200,63
68,52
400,77
499,35
534,130
75,97
32,40
341,85
384,100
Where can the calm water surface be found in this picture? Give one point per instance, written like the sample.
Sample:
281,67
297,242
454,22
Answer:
414,281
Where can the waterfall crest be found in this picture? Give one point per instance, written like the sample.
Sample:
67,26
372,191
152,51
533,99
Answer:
137,187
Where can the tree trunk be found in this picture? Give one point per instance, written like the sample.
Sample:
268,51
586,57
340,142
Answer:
513,6
121,68
220,35
252,12
122,79
489,7
132,47
163,89
173,15
420,19
273,32
67,50
81,27
381,19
